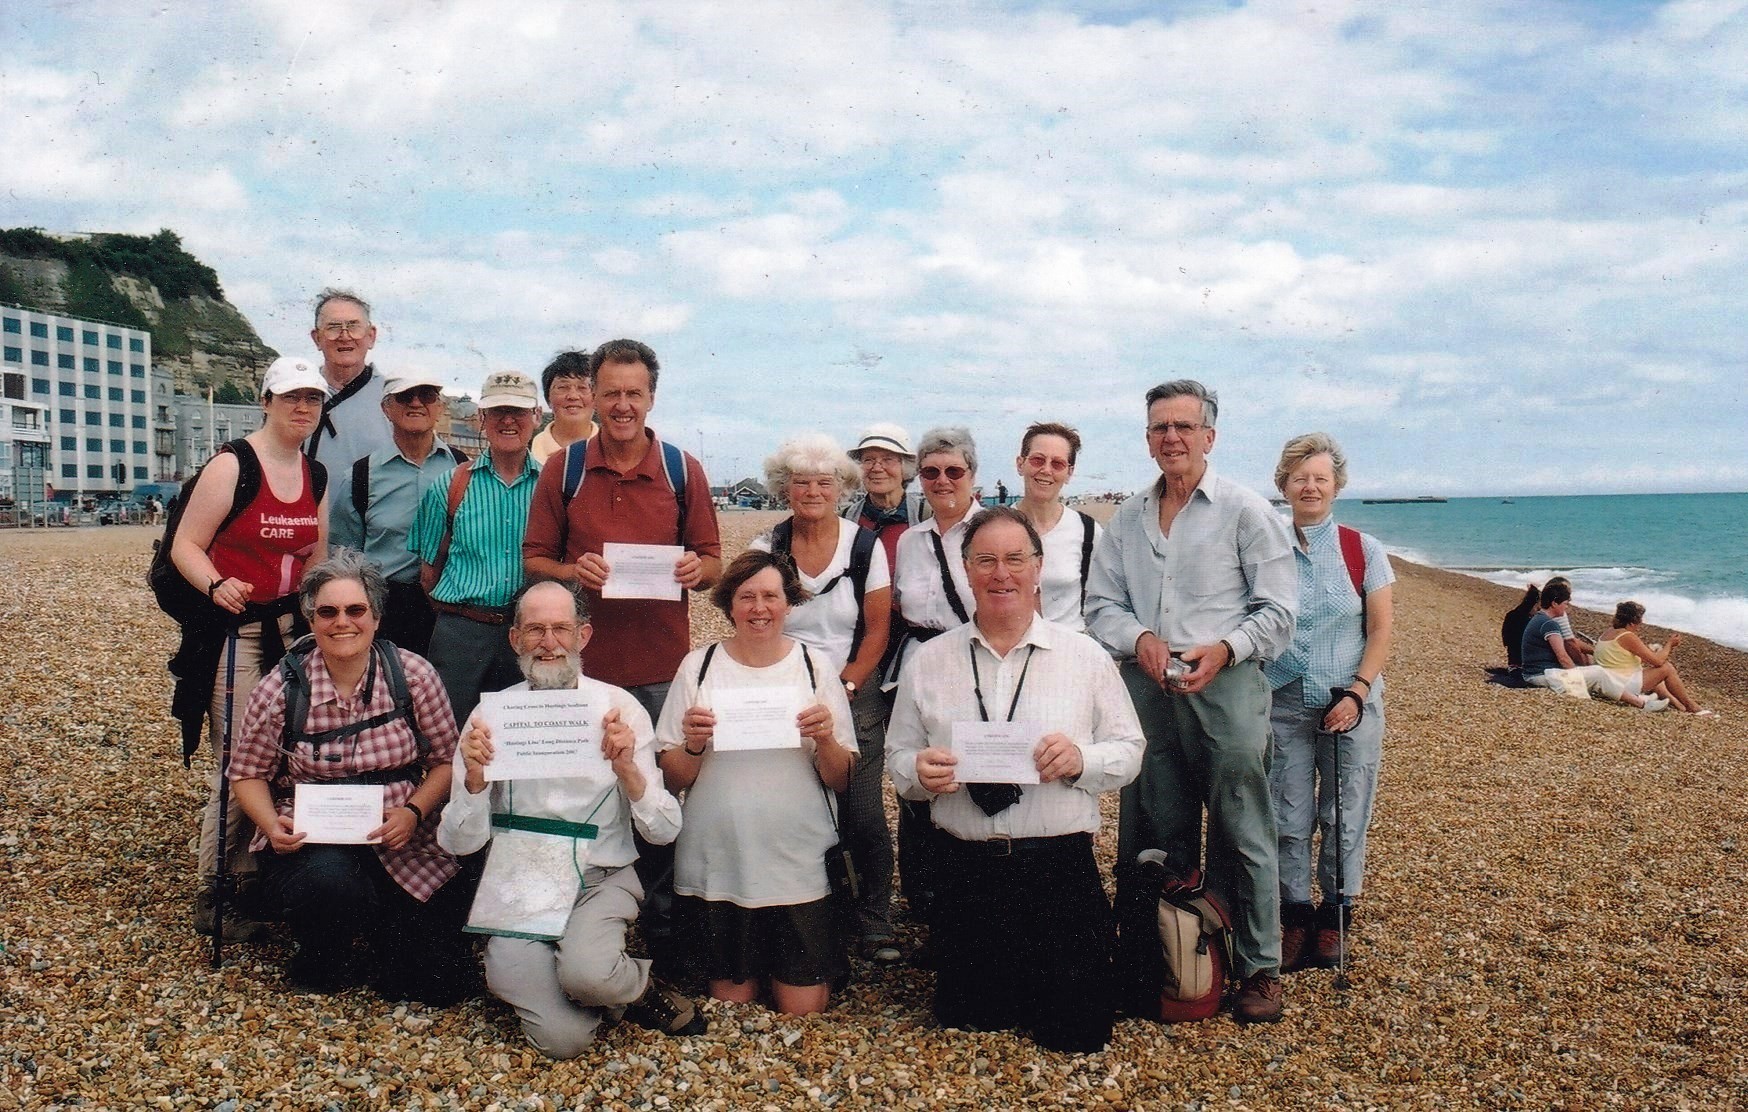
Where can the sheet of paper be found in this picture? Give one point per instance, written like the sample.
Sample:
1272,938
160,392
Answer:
756,718
641,570
543,735
337,814
996,752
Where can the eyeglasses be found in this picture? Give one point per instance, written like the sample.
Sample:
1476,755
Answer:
562,630
356,329
303,399
1014,561
355,611
1042,462
1182,428
426,395
953,472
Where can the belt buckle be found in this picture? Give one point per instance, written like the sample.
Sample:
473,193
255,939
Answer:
1001,845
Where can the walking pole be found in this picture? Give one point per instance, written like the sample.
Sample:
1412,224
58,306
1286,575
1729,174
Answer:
1341,981
222,881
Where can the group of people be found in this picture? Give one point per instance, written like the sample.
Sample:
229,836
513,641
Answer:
1618,665
1002,668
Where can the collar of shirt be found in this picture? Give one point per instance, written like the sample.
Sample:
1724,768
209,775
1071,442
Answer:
1318,535
323,690
650,466
438,450
1038,634
530,466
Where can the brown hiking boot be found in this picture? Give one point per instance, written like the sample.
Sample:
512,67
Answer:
664,1009
237,928
1296,922
1260,1000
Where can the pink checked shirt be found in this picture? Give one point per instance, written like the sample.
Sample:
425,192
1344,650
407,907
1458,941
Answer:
421,866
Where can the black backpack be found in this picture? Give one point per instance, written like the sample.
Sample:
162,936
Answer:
861,560
185,603
384,658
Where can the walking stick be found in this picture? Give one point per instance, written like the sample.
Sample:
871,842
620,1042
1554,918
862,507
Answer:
1337,695
222,881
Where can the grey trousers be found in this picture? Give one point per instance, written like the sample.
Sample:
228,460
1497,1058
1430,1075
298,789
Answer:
1302,780
563,991
1211,750
471,657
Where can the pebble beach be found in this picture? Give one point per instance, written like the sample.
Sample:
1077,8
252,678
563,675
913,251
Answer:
1553,916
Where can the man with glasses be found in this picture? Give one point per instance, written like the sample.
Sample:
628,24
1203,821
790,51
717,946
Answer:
468,537
386,488
1021,928
564,990
352,422
1192,587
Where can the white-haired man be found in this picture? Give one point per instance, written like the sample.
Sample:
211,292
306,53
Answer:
565,989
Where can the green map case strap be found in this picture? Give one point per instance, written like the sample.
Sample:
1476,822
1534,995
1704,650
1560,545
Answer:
535,825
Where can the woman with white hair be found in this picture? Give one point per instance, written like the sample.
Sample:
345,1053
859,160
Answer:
1328,704
845,618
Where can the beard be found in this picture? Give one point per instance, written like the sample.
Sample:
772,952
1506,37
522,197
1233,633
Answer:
551,675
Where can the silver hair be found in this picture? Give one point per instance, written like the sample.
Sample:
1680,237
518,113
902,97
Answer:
1188,388
335,293
1301,448
343,563
949,438
577,598
811,453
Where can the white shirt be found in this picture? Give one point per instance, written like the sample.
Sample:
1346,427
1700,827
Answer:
467,820
921,599
827,622
1072,687
757,821
1060,582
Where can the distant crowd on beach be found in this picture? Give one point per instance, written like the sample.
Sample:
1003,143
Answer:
442,690
1617,665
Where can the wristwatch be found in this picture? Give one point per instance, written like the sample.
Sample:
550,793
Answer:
850,689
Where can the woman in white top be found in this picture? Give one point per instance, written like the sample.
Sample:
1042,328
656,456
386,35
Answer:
757,821
1045,464
933,593
842,566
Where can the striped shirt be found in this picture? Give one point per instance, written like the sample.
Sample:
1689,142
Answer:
1330,636
485,553
421,866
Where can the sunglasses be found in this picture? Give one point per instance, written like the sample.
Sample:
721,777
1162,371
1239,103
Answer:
355,611
953,472
425,394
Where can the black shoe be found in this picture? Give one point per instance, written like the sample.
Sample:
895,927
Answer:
882,951
322,971
660,1008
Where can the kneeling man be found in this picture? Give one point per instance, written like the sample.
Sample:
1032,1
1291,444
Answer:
563,990
1023,930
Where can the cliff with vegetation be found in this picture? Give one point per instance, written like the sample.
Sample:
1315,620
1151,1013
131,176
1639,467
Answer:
148,282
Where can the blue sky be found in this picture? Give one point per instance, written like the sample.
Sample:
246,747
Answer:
1491,247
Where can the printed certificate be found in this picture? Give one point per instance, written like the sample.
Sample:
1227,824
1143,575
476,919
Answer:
641,570
543,735
337,814
996,752
756,718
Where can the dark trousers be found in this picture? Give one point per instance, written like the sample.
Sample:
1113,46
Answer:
658,921
408,618
332,897
862,817
471,657
1024,942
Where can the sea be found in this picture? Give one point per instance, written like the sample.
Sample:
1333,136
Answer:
1684,556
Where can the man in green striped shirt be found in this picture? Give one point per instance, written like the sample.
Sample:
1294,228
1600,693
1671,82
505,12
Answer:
468,537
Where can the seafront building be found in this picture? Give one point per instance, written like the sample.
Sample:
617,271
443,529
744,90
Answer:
80,417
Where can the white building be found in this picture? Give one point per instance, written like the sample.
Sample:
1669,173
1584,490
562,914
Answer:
87,389
201,426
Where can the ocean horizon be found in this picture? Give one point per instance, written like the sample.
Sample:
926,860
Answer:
1681,555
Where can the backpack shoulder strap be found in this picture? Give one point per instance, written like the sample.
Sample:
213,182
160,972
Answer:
248,481
458,480
704,666
1353,554
360,489
674,465
575,455
861,563
297,697
812,676
1086,550
783,538
400,693
947,584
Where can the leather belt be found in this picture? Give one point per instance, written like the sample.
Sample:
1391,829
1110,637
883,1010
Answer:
482,614
1000,845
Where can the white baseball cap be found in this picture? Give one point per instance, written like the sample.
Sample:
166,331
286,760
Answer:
402,380
288,373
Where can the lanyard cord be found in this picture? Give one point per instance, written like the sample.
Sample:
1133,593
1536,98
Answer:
977,681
